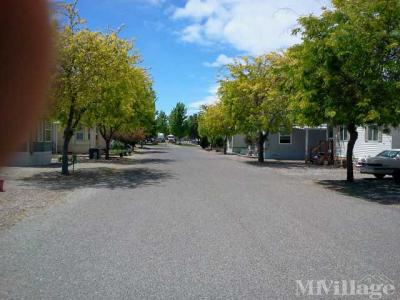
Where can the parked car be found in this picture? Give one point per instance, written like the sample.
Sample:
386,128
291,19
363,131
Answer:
171,139
385,163
152,141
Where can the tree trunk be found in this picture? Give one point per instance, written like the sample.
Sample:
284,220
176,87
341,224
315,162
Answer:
261,140
350,147
67,138
225,144
107,149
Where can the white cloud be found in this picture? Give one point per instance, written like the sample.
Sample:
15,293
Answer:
149,2
250,26
206,101
209,99
220,61
192,33
197,9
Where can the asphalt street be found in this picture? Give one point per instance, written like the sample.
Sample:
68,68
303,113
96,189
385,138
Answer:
182,223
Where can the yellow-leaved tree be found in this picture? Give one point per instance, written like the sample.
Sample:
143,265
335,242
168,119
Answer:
253,96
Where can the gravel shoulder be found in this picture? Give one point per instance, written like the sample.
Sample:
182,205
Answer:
332,179
29,190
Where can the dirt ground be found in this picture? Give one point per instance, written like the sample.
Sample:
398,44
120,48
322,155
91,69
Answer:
30,189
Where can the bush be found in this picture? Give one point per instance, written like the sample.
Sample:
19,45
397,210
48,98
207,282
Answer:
204,143
116,145
219,142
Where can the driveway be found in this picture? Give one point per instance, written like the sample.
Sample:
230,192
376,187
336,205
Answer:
182,223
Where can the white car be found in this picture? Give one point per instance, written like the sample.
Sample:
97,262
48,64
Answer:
385,163
171,139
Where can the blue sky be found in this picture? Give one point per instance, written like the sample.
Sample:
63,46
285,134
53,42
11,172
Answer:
185,43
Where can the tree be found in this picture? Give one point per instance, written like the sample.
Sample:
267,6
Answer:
131,138
113,104
177,119
252,96
215,124
162,123
191,125
143,105
98,83
75,75
125,102
347,71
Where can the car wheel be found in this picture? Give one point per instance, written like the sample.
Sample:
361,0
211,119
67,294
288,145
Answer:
379,176
396,176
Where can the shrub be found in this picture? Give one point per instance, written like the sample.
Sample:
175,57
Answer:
219,142
204,143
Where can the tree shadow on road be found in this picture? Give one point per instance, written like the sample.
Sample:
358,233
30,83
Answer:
128,161
154,151
99,178
276,164
151,150
155,161
381,191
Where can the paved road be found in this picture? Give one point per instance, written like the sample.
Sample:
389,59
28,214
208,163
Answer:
184,224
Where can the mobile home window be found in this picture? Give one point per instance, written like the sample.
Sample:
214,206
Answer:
80,136
47,131
373,133
343,133
285,137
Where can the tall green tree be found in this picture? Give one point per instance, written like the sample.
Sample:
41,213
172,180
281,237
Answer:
144,102
191,125
162,123
98,83
347,70
75,75
143,106
214,123
251,94
177,119
113,105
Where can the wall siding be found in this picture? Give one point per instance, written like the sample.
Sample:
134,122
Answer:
274,150
27,159
80,147
237,144
396,138
363,149
35,151
297,149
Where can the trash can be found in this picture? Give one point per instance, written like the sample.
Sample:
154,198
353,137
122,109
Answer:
94,153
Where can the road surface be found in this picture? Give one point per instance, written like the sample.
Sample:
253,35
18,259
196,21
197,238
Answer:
181,223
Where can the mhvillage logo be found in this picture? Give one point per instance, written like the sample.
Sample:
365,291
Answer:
372,286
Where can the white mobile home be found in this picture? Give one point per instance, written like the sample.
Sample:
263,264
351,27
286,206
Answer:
83,139
371,141
37,149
